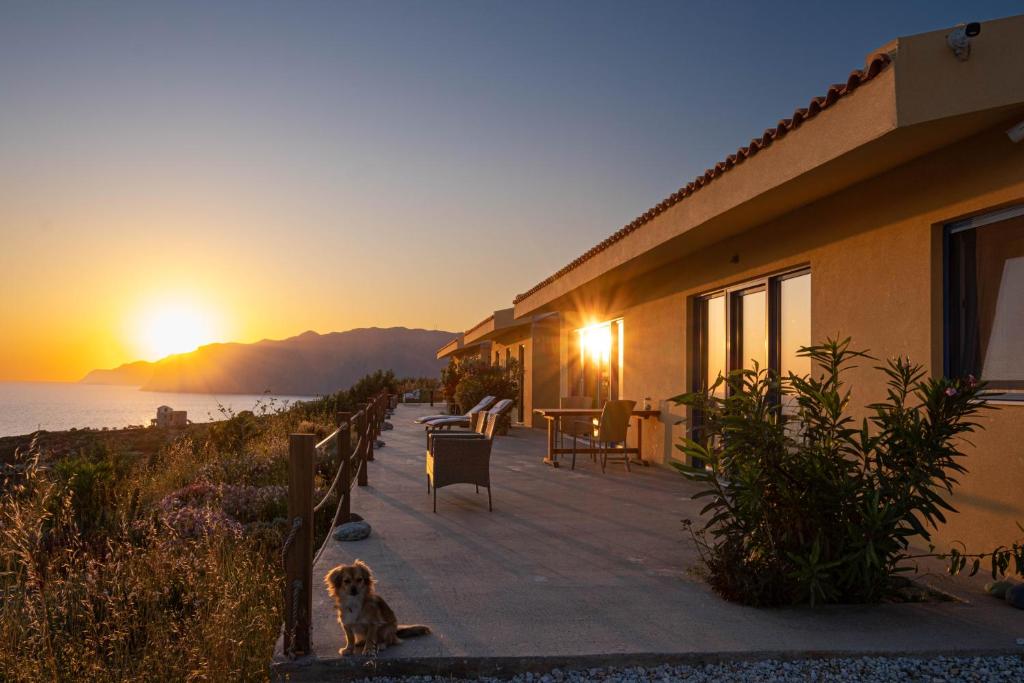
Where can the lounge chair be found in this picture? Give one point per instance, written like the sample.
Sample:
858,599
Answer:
485,403
455,459
466,421
500,409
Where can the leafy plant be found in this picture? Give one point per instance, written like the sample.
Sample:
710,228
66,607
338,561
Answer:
807,506
450,376
479,378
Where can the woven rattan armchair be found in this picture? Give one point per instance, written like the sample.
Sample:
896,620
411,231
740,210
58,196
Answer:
455,459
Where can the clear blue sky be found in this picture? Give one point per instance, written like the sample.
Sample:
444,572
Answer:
279,134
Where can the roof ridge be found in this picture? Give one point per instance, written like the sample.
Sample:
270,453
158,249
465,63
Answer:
874,65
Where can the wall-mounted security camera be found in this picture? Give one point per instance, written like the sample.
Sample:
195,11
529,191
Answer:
1016,134
959,39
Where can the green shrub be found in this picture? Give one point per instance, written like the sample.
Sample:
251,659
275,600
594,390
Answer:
93,479
450,376
806,506
327,407
231,435
480,378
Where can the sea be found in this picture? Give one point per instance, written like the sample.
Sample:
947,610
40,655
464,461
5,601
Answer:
57,406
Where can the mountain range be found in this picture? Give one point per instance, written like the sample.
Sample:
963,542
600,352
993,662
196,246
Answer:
305,365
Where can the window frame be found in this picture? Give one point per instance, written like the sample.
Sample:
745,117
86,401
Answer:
952,334
734,297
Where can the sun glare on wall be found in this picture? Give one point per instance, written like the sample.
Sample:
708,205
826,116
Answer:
596,341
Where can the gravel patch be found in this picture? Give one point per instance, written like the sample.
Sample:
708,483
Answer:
930,670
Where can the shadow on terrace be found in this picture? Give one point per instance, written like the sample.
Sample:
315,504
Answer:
577,563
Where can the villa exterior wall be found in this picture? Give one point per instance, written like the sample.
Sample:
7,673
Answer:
874,251
540,372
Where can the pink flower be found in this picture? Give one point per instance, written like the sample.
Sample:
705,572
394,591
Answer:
972,381
951,392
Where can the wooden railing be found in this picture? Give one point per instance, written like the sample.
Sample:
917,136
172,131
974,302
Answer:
352,443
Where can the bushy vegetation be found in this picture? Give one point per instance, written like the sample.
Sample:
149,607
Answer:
808,506
164,565
478,378
450,376
326,408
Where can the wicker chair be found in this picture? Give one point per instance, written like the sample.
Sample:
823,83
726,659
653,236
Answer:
575,427
461,459
611,428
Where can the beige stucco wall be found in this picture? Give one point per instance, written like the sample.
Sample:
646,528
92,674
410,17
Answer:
874,251
540,342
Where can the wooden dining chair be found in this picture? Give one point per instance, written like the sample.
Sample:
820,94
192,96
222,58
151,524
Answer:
612,428
575,427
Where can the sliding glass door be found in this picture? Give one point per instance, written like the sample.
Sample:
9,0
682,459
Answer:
597,362
759,324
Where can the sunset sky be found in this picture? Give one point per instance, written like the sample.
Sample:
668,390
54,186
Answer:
178,173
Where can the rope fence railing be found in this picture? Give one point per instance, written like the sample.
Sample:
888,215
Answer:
353,444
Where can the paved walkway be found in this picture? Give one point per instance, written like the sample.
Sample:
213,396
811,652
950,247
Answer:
575,563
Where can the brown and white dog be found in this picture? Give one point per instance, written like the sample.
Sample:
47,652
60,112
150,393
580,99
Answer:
368,622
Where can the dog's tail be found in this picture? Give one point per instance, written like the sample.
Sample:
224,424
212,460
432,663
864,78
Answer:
410,630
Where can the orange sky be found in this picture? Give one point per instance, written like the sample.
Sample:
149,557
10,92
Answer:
81,287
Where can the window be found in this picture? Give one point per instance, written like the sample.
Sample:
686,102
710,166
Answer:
763,322
984,318
597,361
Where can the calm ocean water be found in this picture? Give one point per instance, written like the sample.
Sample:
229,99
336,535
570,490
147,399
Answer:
28,406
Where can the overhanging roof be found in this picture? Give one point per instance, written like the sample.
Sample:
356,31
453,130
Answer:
497,321
912,97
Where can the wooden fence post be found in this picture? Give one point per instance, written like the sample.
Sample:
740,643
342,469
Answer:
344,513
371,429
364,437
298,547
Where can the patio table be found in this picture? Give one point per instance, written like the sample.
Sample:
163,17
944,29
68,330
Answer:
552,415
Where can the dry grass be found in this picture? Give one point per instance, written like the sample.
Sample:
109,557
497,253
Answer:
102,581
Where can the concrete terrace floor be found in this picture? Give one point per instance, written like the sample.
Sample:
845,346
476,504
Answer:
576,563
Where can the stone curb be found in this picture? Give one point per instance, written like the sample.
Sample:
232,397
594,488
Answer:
347,669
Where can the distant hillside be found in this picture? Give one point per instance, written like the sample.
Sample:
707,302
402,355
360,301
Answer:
308,364
131,374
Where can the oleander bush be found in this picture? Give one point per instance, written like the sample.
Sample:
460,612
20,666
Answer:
480,378
806,505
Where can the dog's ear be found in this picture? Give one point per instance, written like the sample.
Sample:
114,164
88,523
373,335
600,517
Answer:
333,580
367,572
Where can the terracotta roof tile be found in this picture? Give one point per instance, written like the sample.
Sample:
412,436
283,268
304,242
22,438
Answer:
836,92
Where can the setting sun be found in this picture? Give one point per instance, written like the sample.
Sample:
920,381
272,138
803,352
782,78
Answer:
166,331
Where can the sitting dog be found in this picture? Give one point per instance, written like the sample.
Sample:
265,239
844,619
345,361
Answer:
368,622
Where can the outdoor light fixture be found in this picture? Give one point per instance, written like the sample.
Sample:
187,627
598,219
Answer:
1016,134
959,39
